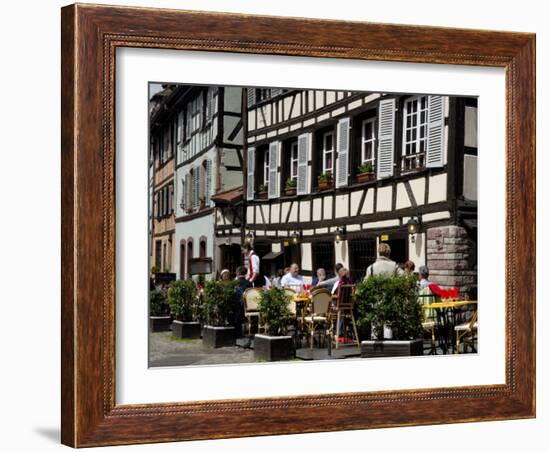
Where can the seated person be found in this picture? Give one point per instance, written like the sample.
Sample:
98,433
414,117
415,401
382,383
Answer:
330,282
320,276
238,306
293,279
343,278
423,275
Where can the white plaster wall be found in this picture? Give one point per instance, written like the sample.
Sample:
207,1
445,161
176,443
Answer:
203,226
306,256
368,205
342,206
417,250
328,208
383,200
341,253
438,188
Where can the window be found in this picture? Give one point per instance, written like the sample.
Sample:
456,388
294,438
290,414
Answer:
362,253
322,256
183,204
263,94
368,141
328,151
202,249
415,133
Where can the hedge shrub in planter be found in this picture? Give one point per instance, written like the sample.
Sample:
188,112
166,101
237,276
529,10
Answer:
159,311
184,305
218,305
275,344
390,301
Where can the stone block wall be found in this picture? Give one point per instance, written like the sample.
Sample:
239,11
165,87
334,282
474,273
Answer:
451,257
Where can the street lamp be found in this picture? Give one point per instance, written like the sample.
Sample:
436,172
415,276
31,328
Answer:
295,238
249,238
413,227
339,234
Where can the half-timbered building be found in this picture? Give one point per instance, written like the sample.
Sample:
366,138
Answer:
306,201
208,137
161,176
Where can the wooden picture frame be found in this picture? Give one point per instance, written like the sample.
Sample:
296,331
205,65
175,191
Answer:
90,36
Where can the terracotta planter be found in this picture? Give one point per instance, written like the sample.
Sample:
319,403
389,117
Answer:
365,177
218,336
262,195
290,191
159,323
325,184
186,330
390,348
273,348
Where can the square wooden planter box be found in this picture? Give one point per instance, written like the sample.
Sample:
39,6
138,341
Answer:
159,323
391,348
218,336
273,348
186,330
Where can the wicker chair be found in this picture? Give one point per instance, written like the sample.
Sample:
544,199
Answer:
343,310
251,296
429,316
466,333
319,315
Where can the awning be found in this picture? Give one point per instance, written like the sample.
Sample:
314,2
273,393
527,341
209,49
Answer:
272,255
228,197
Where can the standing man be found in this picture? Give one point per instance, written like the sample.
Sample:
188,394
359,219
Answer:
253,274
383,265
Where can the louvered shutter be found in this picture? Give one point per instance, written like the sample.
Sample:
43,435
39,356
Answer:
183,200
208,187
188,191
386,129
196,187
273,185
250,167
251,96
342,146
436,127
276,91
304,144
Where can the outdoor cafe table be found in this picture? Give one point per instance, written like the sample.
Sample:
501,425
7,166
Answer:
446,319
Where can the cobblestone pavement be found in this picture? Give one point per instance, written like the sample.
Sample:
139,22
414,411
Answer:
167,351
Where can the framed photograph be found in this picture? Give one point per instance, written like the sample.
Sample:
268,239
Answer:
281,225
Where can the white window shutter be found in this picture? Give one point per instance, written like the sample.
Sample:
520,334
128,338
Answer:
386,129
251,96
436,127
342,146
196,187
250,167
273,185
208,181
276,91
304,145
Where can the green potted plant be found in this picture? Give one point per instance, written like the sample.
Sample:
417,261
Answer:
184,306
159,311
275,344
290,187
365,172
325,180
390,302
218,304
262,191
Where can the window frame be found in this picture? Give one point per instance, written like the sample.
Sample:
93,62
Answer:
373,140
416,156
325,151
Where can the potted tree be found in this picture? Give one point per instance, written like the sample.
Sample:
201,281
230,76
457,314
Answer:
262,191
290,187
159,312
325,180
218,305
184,305
365,173
390,303
275,344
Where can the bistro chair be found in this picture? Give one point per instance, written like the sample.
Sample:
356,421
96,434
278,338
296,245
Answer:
343,310
319,314
466,333
429,316
251,296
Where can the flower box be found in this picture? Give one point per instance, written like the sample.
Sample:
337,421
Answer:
273,348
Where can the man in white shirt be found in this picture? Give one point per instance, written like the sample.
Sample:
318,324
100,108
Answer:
293,279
